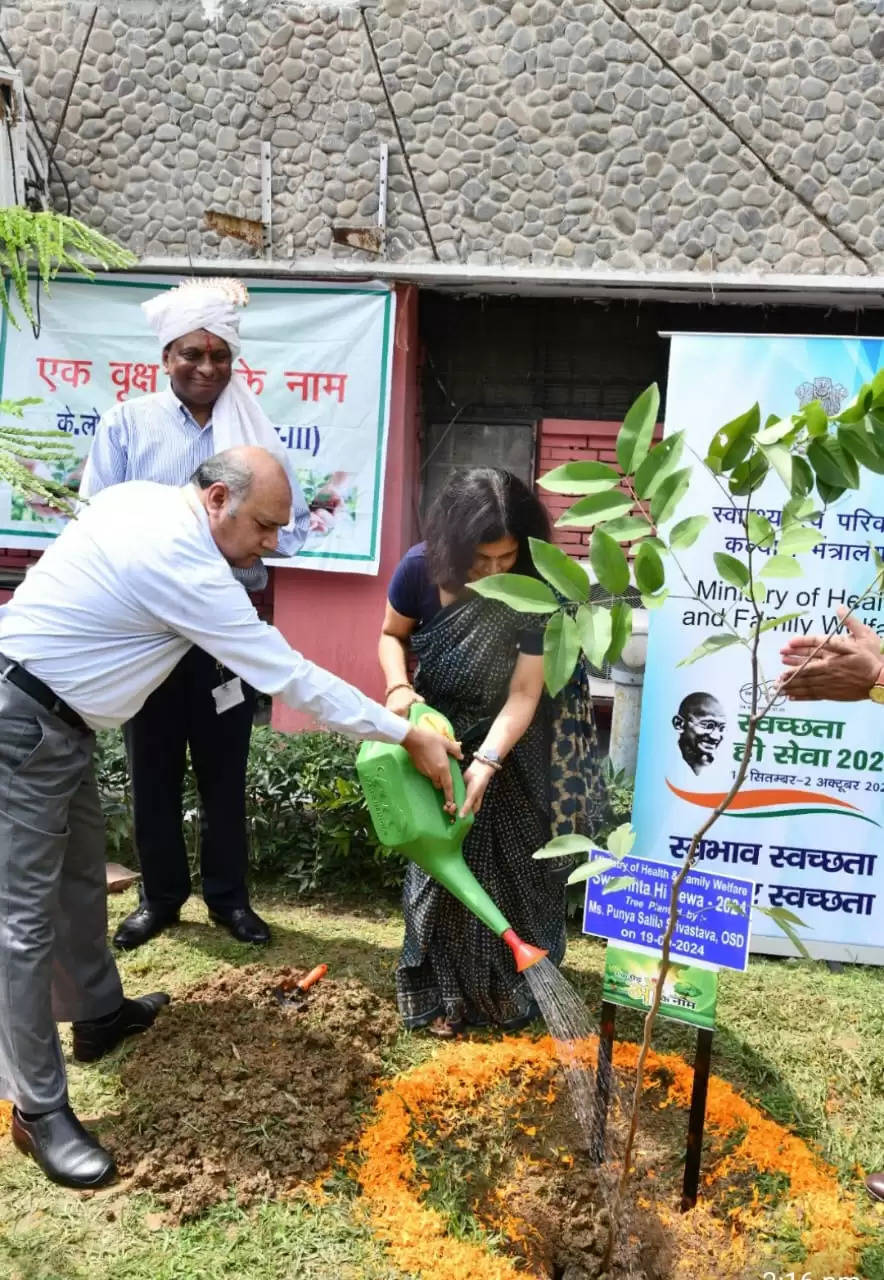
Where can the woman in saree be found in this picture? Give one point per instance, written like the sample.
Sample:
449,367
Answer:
531,765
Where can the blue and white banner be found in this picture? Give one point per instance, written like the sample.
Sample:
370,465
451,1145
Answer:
712,928
318,356
808,825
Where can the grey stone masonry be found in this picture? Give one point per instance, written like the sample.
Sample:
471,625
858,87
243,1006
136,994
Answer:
717,135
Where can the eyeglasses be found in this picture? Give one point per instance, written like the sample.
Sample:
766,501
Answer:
707,725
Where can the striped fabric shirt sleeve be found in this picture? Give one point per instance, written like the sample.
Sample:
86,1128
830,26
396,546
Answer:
254,578
106,464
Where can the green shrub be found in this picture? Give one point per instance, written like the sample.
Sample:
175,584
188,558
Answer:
306,816
112,776
620,788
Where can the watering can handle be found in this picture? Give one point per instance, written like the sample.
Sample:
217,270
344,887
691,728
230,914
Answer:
441,724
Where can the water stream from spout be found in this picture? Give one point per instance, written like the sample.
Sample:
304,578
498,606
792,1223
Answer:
592,1087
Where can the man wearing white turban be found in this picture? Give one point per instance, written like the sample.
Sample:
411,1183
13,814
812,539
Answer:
165,437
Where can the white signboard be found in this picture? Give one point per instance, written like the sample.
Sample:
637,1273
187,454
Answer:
808,825
318,357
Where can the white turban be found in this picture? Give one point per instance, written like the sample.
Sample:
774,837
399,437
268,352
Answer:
198,304
237,417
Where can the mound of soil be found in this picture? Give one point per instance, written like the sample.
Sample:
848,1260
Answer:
245,1084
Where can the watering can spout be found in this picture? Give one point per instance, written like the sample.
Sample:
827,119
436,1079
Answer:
524,954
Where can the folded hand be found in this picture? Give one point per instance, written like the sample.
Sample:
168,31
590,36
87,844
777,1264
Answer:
842,670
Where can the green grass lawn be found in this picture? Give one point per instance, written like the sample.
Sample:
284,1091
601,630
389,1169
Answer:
807,1044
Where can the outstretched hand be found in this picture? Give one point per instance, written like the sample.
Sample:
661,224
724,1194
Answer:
842,671
429,752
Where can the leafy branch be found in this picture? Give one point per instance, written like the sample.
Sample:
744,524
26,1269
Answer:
48,243
45,243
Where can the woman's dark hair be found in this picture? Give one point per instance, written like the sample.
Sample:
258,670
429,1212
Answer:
478,506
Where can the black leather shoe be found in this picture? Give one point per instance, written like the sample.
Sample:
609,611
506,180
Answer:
875,1185
143,924
63,1149
92,1040
243,924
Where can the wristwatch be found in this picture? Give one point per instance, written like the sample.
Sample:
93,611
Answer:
876,693
492,758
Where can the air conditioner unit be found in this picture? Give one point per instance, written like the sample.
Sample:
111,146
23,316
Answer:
13,139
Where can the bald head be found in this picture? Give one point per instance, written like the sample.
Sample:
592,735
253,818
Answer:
701,704
247,498
242,467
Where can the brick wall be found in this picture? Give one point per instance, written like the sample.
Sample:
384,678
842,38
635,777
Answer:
572,440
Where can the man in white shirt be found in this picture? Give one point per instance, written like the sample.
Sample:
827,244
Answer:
164,437
97,624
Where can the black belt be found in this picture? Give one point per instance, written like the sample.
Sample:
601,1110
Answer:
41,693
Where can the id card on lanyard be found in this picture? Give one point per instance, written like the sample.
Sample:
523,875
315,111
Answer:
227,694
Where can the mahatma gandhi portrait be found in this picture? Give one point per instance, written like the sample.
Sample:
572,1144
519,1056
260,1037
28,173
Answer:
700,723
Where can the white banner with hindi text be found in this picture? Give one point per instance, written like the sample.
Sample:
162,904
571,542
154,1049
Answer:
318,356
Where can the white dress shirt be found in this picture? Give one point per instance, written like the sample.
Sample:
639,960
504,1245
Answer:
119,597
156,437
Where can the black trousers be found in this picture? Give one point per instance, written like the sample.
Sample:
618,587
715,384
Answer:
181,713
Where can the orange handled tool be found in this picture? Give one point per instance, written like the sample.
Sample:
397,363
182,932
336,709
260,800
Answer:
312,977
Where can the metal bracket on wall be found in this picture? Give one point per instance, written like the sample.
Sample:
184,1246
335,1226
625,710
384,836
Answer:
370,239
266,201
228,224
257,234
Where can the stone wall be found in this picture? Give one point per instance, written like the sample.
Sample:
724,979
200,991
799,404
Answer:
721,135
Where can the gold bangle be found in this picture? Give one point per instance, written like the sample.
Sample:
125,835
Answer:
402,685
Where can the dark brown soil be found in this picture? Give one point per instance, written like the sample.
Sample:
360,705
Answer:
238,1087
564,1206
569,1230
527,1166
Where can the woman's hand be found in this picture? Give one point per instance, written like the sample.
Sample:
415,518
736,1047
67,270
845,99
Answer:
399,700
477,777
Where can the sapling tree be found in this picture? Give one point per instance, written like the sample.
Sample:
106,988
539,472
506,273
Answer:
638,529
34,248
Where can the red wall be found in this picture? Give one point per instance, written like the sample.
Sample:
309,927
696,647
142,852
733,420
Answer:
335,618
15,560
574,440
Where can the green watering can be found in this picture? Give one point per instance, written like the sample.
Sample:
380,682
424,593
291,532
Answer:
407,814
